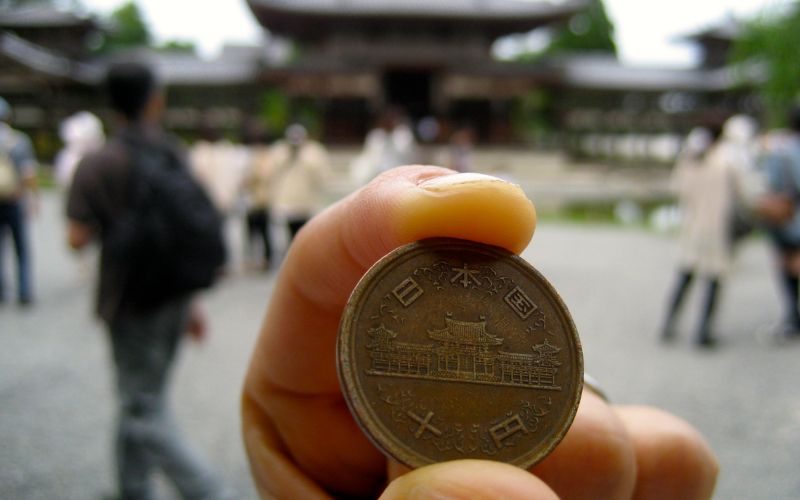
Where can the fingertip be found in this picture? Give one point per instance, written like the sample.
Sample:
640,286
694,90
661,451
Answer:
468,206
468,479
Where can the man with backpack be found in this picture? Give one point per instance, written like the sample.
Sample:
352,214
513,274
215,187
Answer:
160,241
17,176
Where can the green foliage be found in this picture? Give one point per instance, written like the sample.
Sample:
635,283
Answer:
177,46
587,31
128,29
590,30
772,40
531,114
275,109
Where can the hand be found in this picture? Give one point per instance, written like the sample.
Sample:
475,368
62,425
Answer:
32,204
197,324
301,439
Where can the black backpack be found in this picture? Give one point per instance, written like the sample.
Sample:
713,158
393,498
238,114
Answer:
170,240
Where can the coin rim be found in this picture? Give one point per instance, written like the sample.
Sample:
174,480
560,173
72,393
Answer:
350,387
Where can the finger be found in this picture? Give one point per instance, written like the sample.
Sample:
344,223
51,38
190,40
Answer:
469,479
596,457
336,248
674,461
274,473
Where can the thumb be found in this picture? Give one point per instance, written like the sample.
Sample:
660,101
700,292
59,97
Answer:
468,479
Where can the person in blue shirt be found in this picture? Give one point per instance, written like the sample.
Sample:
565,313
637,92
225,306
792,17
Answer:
781,167
17,178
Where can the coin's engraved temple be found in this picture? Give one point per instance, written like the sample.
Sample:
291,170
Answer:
463,351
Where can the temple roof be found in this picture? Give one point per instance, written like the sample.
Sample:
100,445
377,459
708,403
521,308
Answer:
607,73
314,18
465,332
42,17
728,29
546,348
42,60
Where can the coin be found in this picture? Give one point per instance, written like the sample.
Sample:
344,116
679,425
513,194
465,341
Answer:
450,349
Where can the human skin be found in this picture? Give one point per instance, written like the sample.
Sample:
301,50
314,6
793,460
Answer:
301,439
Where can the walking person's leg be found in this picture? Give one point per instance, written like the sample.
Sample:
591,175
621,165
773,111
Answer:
266,237
251,234
19,233
295,224
182,463
685,277
134,466
3,227
150,437
705,336
790,283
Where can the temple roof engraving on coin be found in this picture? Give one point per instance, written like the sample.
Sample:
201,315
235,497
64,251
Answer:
463,351
450,349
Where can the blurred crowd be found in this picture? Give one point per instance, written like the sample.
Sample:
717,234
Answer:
267,187
731,180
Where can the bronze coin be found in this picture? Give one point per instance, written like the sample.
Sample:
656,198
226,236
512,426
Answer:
450,349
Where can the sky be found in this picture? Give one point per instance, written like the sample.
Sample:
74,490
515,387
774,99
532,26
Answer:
647,31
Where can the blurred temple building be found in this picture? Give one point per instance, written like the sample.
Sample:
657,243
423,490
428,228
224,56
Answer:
338,63
432,58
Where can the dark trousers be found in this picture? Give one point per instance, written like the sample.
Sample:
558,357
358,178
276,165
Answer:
12,220
682,285
148,439
258,229
790,285
295,224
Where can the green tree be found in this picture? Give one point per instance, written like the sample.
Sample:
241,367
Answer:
177,46
587,31
769,43
128,29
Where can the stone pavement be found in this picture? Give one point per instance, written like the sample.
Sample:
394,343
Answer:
56,394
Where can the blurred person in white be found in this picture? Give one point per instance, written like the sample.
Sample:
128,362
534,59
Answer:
390,144
740,146
709,182
220,165
258,194
303,170
82,133
461,148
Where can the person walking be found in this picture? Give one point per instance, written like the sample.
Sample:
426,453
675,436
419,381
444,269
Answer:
780,211
17,180
81,133
303,171
390,144
145,327
257,188
708,182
